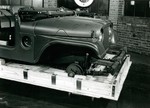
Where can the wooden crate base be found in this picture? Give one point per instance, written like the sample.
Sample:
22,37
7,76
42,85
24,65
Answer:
108,87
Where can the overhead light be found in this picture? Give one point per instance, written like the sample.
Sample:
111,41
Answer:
132,2
149,4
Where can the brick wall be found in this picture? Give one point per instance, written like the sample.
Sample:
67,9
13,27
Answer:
50,3
134,32
116,9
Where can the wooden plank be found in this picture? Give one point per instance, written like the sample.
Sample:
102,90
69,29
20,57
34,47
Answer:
121,77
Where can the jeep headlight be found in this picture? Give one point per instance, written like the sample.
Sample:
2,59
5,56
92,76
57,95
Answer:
101,35
112,36
97,36
109,31
112,39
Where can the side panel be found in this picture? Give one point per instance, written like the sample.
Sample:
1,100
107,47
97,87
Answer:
17,51
25,53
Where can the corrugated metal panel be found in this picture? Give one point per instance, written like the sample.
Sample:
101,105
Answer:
26,2
37,3
4,2
15,2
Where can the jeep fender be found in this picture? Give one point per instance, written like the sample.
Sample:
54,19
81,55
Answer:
95,48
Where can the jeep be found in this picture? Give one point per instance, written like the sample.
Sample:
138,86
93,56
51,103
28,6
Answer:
53,35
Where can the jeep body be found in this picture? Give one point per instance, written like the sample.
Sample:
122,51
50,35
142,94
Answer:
52,35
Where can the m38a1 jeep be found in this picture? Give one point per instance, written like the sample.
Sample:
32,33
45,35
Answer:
54,35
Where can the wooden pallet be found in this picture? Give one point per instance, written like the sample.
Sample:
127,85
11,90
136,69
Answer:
108,87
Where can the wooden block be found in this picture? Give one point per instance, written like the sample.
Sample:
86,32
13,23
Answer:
2,61
3,42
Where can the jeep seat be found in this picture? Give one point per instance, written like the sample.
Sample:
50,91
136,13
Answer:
6,27
6,20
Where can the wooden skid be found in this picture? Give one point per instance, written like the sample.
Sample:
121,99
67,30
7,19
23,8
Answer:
108,87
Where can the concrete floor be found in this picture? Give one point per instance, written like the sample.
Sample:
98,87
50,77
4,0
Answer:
135,94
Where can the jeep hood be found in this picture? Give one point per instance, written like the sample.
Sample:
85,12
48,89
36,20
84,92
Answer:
68,26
